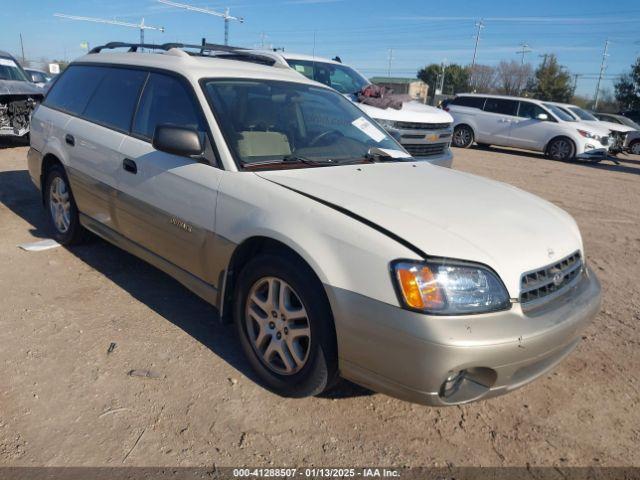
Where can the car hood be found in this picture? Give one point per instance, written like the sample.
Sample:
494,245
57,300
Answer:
411,111
591,127
14,87
616,127
446,213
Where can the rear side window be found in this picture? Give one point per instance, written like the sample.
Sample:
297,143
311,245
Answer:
166,101
475,102
71,92
501,106
114,100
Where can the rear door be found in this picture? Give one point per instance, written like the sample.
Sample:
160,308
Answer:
101,101
494,125
166,203
528,130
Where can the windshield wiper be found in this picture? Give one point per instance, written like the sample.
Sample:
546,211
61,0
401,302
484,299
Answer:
375,155
291,159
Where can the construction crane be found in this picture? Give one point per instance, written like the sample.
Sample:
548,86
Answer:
142,26
225,15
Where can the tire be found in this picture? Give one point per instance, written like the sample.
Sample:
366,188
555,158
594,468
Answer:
561,149
462,136
61,208
634,148
291,366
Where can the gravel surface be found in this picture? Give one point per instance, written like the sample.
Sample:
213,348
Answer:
75,322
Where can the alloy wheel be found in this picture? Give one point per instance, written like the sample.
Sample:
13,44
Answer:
278,325
635,148
560,150
60,204
462,137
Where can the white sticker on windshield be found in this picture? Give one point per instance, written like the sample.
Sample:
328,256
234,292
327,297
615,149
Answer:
7,62
368,128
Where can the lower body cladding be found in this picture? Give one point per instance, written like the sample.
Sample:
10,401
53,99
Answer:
454,360
593,154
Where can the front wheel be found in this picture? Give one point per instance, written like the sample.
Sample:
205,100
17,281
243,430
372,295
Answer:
462,136
285,326
61,208
561,149
634,148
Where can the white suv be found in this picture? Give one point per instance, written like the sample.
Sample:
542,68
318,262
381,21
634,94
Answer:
424,131
286,207
525,123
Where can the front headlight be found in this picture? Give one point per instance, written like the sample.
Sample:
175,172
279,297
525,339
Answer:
587,134
387,124
449,288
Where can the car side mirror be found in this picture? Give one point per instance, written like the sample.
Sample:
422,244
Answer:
543,117
181,141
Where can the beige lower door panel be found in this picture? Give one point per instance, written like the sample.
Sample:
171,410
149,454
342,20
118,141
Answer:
168,207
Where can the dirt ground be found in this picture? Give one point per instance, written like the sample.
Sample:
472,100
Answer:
66,401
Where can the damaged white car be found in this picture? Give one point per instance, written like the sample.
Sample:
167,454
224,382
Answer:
18,97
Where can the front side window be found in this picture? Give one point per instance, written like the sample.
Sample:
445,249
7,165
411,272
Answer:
530,110
501,106
114,100
166,101
266,121
583,114
10,70
339,77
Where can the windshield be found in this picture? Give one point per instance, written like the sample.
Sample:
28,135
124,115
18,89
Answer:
583,114
266,121
9,70
339,77
629,122
561,114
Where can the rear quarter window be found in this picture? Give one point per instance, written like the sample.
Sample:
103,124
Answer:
474,102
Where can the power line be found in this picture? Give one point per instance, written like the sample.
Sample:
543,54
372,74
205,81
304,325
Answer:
142,26
227,18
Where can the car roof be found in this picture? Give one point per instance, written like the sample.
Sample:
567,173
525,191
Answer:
310,58
504,97
197,67
6,55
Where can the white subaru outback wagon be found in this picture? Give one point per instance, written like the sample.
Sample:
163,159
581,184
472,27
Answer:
281,203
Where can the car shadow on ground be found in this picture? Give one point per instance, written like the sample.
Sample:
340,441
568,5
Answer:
155,289
613,164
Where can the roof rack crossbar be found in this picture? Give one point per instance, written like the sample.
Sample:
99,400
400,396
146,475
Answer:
204,50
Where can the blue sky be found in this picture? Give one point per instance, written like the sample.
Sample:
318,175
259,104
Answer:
361,32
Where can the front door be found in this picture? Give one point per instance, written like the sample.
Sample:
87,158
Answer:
529,130
166,203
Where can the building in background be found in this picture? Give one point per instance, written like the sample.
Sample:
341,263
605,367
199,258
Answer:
413,87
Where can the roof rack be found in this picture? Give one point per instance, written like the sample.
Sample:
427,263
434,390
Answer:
203,50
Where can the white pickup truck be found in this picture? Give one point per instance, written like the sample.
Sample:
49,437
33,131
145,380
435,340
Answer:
424,131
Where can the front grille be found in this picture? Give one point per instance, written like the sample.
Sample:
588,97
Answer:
421,126
425,149
543,285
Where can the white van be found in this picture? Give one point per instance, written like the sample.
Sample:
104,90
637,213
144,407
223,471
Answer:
525,123
424,131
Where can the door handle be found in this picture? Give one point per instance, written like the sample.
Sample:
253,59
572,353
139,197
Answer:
130,166
70,140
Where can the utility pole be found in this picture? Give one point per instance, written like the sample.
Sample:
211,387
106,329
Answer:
442,78
263,36
227,18
544,59
575,82
524,51
390,60
603,67
479,26
142,26
22,48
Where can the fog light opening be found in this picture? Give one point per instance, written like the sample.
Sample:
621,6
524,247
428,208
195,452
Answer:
452,383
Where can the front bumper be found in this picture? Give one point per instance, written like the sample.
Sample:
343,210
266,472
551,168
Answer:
410,355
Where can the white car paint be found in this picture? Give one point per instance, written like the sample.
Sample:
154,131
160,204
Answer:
522,132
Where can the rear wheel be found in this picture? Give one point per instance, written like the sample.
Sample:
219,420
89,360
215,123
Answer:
561,149
285,326
61,208
462,136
